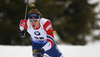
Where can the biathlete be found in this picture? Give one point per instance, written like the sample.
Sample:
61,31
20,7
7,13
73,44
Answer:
41,32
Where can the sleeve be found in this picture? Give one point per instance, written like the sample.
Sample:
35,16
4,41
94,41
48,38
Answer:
23,24
50,37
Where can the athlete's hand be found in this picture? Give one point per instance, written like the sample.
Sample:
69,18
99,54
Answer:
22,34
39,52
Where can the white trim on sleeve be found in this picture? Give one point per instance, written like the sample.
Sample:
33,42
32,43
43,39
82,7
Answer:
47,46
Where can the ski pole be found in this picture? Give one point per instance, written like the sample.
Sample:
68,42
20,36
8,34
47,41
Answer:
26,10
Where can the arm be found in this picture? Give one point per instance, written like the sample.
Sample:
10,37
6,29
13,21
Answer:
22,26
48,28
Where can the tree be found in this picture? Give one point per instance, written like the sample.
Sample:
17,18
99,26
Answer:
77,17
49,8
11,12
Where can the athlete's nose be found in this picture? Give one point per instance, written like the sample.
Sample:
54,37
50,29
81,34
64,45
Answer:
33,23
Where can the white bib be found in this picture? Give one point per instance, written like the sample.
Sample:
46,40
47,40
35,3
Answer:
37,35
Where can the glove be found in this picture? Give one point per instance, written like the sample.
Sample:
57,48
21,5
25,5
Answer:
39,52
22,34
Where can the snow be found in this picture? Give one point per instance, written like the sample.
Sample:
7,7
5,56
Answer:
92,49
30,1
96,32
93,1
15,51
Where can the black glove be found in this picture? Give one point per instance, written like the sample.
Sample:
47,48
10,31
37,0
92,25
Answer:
22,34
39,52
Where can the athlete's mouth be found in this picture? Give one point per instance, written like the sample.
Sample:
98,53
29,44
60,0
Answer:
33,25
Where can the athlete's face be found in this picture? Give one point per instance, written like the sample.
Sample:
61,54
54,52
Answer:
34,22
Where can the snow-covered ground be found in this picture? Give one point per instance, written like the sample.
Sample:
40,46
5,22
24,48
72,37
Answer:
89,50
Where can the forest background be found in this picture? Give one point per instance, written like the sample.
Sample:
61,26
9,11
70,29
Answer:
75,21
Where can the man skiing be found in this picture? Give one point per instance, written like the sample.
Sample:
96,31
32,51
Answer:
41,32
